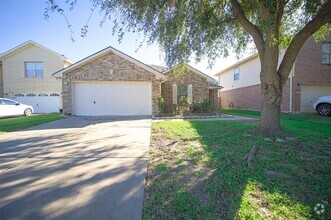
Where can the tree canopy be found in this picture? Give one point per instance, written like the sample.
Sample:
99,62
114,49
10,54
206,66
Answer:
208,28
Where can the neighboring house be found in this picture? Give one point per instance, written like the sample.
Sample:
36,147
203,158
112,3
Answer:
26,76
1,80
310,78
110,82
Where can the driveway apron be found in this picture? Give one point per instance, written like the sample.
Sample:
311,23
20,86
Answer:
75,168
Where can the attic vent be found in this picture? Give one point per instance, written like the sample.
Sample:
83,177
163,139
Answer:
31,95
54,94
19,95
42,94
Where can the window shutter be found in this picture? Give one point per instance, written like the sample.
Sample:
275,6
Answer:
174,94
190,93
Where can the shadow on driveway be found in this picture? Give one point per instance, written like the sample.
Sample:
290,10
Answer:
93,170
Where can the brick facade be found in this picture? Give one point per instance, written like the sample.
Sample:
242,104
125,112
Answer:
309,69
99,70
200,89
213,95
244,98
250,98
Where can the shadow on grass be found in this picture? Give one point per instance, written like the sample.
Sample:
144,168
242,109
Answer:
208,178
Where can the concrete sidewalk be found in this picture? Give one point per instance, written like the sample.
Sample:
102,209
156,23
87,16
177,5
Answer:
225,118
75,168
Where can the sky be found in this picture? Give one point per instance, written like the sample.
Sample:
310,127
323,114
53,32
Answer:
23,20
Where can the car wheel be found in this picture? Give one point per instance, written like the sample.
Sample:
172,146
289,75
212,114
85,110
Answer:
27,112
324,109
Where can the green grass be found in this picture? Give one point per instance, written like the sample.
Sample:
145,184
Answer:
245,113
17,123
206,177
312,125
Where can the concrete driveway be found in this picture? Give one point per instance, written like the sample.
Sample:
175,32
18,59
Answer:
75,168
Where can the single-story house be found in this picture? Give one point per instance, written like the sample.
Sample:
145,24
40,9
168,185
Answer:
110,82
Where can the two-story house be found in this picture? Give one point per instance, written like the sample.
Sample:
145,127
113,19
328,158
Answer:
310,78
26,76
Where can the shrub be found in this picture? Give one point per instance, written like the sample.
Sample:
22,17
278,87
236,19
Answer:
184,105
206,106
161,105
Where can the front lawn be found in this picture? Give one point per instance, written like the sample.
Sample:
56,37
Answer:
197,170
245,113
13,124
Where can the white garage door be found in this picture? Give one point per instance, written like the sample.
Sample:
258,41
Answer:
41,103
112,98
310,93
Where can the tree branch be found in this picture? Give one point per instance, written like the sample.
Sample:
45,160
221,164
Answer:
280,12
265,14
323,17
249,27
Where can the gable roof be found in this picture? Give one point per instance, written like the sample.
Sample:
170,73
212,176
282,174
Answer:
85,60
159,68
30,43
212,85
209,78
237,64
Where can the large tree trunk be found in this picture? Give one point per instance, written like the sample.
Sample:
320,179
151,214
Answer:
270,110
271,94
267,43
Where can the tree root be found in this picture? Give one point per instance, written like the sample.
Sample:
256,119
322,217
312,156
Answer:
249,157
275,173
174,143
191,139
231,161
269,133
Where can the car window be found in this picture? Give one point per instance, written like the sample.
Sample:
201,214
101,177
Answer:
8,102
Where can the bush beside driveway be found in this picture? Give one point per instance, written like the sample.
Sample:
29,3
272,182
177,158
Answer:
197,170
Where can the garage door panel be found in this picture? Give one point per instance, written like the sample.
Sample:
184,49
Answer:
83,99
310,93
112,98
41,104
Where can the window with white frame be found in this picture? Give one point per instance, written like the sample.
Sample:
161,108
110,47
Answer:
236,73
326,53
34,69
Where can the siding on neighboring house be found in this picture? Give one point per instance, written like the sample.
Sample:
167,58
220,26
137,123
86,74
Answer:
308,71
248,75
14,79
1,81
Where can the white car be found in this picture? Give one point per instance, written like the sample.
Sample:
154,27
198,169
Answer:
323,105
10,107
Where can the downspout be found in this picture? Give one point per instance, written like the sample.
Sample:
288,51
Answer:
291,88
